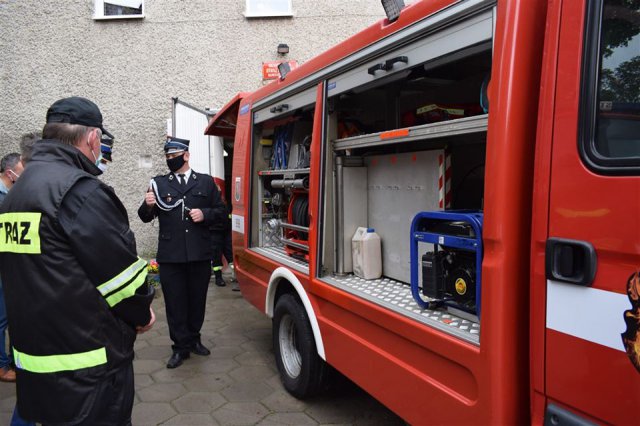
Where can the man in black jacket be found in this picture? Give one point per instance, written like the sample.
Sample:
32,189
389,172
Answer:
75,287
187,204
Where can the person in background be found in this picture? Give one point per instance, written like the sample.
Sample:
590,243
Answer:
187,204
26,149
10,170
26,145
106,147
73,343
221,233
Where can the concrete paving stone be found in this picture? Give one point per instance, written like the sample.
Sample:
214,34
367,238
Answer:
175,375
379,419
252,373
232,330
259,323
151,413
224,352
146,366
348,403
191,420
335,424
162,392
164,341
151,334
255,358
8,402
218,365
282,401
260,346
142,381
260,334
206,339
331,410
238,304
240,413
224,303
199,402
140,344
275,382
208,382
223,340
155,352
7,389
5,417
287,419
247,391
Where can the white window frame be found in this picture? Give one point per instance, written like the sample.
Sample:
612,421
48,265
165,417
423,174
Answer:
251,10
98,11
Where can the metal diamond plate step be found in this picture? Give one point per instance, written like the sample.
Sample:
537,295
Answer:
280,255
396,296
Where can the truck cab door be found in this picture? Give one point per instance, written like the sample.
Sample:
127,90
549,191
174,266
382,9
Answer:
592,251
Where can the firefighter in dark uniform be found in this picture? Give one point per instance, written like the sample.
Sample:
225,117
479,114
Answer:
187,204
75,288
219,232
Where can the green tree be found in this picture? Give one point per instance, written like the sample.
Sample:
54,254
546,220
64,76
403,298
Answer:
621,84
621,22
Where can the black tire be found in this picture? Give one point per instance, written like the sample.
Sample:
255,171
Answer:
302,372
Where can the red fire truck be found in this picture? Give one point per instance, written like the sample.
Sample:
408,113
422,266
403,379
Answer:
493,147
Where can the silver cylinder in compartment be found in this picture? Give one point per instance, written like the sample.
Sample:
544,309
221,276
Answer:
291,183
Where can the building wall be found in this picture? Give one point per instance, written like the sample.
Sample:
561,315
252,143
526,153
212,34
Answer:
201,51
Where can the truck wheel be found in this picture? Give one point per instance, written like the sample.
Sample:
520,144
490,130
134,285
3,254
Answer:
302,372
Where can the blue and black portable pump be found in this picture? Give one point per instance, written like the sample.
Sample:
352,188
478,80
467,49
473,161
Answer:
451,273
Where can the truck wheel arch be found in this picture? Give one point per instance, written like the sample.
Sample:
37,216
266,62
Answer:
284,274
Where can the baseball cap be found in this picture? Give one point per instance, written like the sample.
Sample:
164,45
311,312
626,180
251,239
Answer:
76,110
173,145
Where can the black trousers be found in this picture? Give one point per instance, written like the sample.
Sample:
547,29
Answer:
221,247
113,402
184,286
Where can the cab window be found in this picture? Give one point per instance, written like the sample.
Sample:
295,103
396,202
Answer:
611,93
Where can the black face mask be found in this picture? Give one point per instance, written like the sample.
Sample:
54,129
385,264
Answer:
175,163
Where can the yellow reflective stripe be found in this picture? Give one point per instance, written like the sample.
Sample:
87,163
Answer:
19,232
128,291
217,268
126,275
56,363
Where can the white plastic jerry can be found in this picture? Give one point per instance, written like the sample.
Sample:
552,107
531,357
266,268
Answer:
367,254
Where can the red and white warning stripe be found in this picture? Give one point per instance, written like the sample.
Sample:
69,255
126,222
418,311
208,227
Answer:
444,180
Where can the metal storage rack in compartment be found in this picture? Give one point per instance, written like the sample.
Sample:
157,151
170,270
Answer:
290,174
443,129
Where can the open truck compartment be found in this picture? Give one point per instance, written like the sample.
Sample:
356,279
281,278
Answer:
281,166
405,133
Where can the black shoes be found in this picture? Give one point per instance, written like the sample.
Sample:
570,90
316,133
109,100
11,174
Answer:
176,359
220,282
200,349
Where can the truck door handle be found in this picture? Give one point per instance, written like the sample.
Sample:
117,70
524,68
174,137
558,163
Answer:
279,108
389,63
377,67
570,261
